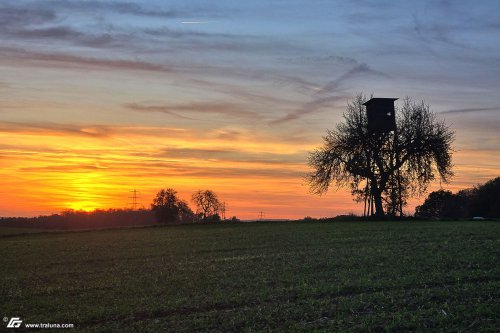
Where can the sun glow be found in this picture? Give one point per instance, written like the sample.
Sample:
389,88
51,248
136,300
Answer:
87,206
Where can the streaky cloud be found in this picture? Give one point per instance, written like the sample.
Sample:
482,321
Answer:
122,7
233,155
321,98
22,16
309,107
59,60
199,108
54,129
315,60
356,70
63,33
471,110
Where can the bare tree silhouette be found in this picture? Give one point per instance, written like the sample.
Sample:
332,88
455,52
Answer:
207,204
386,167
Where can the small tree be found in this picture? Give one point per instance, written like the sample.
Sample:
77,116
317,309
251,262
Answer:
485,200
390,166
169,208
441,203
481,200
207,204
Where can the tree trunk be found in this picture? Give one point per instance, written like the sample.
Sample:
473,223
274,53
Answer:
379,208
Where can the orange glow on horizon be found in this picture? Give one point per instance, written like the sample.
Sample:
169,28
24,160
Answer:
49,171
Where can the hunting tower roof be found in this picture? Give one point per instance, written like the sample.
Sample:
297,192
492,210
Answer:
377,100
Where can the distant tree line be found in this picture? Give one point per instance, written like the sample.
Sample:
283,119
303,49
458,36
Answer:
166,208
71,219
482,200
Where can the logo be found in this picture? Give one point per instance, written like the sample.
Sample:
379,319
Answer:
14,322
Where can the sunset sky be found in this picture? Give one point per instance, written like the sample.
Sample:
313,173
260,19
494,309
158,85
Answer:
102,97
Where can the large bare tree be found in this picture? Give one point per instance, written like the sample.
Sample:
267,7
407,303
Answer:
207,204
388,167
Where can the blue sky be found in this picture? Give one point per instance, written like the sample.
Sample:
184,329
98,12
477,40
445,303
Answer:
248,81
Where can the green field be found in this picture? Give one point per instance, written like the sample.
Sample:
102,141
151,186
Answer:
341,276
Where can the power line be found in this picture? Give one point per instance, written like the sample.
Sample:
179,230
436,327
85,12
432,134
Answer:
134,198
223,210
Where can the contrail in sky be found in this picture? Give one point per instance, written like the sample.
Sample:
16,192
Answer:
195,22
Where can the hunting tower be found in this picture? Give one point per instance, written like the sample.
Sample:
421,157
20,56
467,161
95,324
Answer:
381,115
